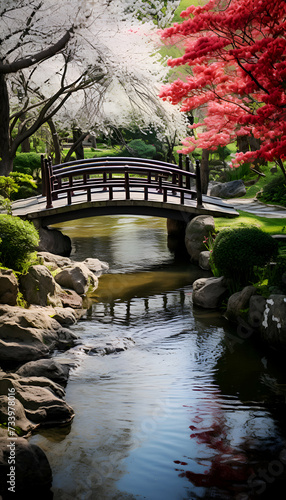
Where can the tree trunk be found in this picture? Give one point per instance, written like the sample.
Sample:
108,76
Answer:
79,151
25,145
242,144
6,158
205,171
56,142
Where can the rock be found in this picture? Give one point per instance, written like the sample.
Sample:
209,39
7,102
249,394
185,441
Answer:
48,368
41,399
53,261
232,189
238,301
208,292
117,345
38,285
70,298
8,287
13,352
53,241
30,334
77,277
65,316
256,311
33,475
204,260
96,265
273,326
197,230
19,413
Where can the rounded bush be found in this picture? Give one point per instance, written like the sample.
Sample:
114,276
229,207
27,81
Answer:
139,148
18,239
238,251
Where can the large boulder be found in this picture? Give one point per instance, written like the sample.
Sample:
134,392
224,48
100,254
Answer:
197,230
78,277
268,317
239,301
232,189
8,287
38,286
29,475
273,326
209,292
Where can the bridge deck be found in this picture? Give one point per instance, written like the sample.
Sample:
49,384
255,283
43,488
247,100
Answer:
35,207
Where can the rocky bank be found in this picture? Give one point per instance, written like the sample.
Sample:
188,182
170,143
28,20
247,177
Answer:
54,294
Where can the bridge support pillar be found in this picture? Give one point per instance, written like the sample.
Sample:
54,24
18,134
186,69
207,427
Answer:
176,236
52,240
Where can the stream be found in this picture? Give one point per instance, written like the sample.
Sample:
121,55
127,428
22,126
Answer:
193,409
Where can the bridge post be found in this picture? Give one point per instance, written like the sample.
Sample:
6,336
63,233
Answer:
48,182
199,184
188,179
127,188
43,175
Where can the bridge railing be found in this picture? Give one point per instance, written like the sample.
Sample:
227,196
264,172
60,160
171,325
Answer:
118,174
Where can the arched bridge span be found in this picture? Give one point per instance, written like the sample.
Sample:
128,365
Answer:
106,186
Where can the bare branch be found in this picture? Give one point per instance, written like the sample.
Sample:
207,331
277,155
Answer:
40,56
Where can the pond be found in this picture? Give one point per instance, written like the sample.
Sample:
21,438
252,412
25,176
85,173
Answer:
191,410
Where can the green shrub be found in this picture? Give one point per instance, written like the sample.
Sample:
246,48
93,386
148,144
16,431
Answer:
275,191
27,163
18,239
239,251
138,148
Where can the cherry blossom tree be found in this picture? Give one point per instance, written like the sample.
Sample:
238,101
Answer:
236,51
69,53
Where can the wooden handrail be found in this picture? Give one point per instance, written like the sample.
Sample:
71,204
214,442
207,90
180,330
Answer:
103,174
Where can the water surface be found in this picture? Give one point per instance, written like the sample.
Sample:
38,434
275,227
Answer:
191,410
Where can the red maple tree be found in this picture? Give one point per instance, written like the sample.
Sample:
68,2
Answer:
236,50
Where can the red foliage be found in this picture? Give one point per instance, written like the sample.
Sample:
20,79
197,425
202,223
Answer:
237,52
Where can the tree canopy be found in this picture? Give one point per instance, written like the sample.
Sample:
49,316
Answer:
236,52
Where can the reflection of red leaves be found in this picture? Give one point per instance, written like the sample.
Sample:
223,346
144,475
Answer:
179,462
220,475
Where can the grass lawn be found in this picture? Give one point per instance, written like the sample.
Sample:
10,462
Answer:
271,226
97,153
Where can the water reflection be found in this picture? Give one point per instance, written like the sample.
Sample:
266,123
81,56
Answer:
179,415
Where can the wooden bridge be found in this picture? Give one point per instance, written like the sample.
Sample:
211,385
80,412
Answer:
105,186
